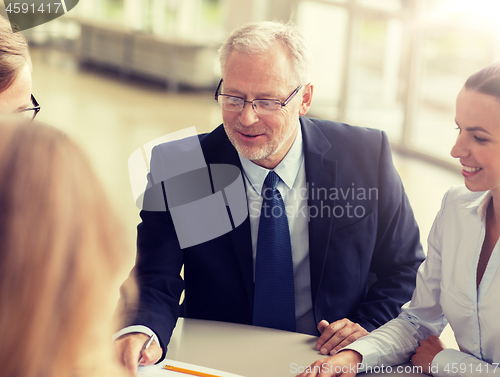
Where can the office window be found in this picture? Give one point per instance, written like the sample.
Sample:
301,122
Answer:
375,93
162,17
458,39
388,5
325,29
192,19
449,57
212,13
200,20
357,54
398,65
112,10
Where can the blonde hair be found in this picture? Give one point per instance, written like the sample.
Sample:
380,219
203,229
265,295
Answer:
60,258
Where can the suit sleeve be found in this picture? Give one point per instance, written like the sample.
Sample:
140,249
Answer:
157,270
398,252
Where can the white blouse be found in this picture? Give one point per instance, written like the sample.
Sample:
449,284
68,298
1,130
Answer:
446,292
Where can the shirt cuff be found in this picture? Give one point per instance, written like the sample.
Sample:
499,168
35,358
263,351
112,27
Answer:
446,359
365,349
133,329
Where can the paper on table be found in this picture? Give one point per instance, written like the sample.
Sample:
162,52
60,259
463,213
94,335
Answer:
158,370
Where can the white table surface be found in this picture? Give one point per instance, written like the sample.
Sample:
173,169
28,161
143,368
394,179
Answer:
250,351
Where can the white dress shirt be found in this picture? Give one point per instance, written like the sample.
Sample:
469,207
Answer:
446,292
293,189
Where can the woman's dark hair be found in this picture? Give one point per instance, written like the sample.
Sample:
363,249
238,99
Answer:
486,81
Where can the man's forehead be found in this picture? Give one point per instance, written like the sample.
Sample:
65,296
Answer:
261,74
276,54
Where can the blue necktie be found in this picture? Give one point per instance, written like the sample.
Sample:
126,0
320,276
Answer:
274,300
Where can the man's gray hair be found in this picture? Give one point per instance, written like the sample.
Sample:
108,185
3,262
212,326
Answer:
260,37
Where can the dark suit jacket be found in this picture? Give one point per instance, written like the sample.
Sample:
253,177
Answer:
364,245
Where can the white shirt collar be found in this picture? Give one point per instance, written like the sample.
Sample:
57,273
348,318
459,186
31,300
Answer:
481,204
287,169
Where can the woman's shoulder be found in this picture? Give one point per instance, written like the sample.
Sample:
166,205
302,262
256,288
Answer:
461,193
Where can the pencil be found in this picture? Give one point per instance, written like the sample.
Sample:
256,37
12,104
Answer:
146,345
189,371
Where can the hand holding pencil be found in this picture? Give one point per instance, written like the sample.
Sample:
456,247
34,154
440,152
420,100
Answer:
133,350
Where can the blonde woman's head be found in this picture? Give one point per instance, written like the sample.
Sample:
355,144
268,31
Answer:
61,257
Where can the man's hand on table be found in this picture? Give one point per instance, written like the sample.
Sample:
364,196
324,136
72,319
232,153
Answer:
337,334
426,352
128,349
343,364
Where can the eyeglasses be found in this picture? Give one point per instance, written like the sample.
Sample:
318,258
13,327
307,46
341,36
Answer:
260,106
31,112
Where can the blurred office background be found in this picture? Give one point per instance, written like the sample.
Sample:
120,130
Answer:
116,74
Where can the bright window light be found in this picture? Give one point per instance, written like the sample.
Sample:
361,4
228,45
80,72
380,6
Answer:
477,14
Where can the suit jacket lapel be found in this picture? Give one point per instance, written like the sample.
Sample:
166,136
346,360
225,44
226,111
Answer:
240,236
321,172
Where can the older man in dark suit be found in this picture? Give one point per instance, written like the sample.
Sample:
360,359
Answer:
340,268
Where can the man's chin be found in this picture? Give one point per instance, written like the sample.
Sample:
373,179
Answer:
253,155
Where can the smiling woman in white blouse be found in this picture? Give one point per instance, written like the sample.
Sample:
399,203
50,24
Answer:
459,283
